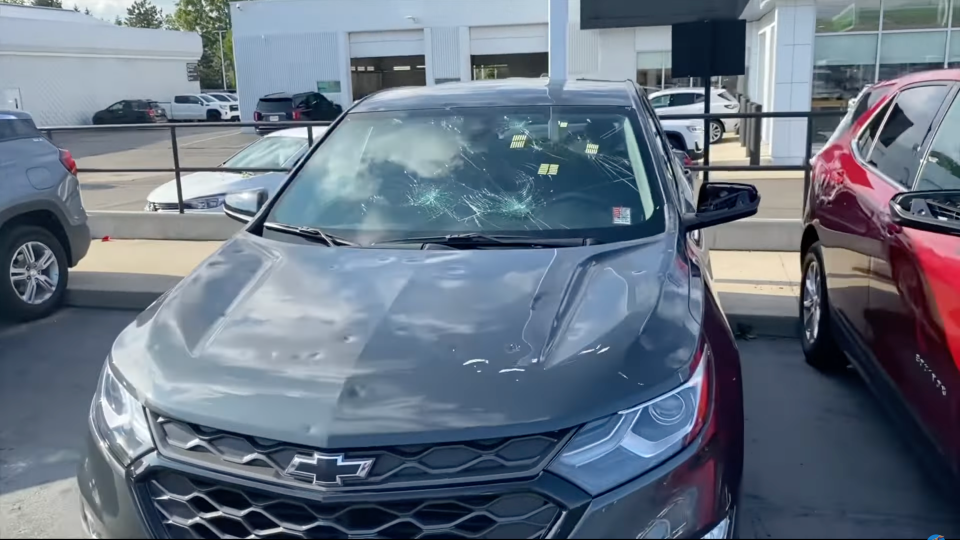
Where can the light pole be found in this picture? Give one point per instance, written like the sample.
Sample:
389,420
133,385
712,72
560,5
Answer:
223,66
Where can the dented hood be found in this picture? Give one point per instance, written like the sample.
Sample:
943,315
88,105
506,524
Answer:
346,347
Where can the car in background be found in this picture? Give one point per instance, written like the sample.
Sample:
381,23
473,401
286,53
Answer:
200,107
880,256
285,107
204,191
690,101
225,98
43,225
131,111
436,330
685,135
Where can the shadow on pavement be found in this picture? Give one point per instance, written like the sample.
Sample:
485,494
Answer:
48,374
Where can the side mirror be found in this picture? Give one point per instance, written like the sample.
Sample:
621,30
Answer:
243,205
722,202
933,211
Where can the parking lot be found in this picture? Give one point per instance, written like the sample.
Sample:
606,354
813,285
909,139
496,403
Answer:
822,461
202,146
199,146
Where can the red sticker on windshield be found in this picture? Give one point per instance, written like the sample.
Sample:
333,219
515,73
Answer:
621,215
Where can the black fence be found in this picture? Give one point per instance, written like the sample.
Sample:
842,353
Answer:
177,170
750,137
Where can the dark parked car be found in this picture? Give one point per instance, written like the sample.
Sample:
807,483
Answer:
472,310
881,255
43,226
131,111
284,107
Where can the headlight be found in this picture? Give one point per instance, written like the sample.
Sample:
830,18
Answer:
225,107
204,203
120,420
694,128
613,450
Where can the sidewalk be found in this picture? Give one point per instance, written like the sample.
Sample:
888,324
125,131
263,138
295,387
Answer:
758,290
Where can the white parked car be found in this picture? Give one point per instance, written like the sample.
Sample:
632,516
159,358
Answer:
204,191
690,101
223,97
200,107
685,135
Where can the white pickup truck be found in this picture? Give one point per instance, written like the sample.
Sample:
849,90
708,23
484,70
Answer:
200,107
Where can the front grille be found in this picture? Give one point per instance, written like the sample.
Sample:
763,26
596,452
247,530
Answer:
234,107
187,506
394,466
162,207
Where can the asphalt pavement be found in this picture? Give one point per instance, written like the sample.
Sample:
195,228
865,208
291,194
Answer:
199,146
822,461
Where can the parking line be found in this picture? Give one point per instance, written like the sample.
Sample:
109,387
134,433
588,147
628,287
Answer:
222,135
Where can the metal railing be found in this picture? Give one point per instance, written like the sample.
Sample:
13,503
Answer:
753,144
178,170
755,141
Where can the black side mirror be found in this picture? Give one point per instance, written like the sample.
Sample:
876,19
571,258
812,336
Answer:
722,202
933,211
243,205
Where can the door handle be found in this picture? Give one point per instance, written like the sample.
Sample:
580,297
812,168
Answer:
891,229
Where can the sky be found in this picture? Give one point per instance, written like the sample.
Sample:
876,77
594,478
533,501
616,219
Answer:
108,9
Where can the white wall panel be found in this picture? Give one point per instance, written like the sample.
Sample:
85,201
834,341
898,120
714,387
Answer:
273,17
653,38
445,45
388,43
285,63
583,49
63,91
618,55
512,39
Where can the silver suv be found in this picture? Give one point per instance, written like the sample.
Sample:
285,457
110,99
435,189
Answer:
43,226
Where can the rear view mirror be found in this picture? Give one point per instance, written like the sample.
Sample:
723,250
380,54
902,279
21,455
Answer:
243,205
722,202
933,211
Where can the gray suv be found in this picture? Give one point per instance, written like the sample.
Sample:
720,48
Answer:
43,226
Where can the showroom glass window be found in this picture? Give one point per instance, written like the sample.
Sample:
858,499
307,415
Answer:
859,42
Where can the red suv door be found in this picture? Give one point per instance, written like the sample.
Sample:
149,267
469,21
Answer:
914,300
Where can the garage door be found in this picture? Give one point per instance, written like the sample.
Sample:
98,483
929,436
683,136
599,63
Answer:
392,43
520,38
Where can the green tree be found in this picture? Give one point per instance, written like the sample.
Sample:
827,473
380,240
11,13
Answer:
75,8
48,3
86,11
117,21
143,14
206,17
16,2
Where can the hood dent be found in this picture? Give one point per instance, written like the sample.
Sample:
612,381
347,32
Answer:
365,347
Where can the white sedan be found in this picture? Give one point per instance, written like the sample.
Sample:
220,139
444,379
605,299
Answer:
690,101
204,191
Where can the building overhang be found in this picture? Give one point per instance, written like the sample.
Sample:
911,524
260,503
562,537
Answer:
632,13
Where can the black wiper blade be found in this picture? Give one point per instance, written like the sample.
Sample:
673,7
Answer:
478,239
310,232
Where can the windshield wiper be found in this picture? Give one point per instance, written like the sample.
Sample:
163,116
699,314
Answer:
310,232
478,239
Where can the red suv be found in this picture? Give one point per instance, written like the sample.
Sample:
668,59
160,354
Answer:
881,253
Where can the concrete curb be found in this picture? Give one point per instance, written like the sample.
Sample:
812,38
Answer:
748,315
757,234
161,226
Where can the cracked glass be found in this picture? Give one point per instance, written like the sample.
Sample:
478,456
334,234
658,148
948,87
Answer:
555,172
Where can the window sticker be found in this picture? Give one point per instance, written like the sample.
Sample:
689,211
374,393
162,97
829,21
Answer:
519,141
548,168
592,149
621,215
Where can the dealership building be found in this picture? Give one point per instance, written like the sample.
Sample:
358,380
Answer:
800,55
61,66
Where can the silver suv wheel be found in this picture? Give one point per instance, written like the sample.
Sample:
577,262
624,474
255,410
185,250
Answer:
34,272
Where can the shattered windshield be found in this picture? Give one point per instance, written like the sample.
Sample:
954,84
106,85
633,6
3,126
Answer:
544,171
